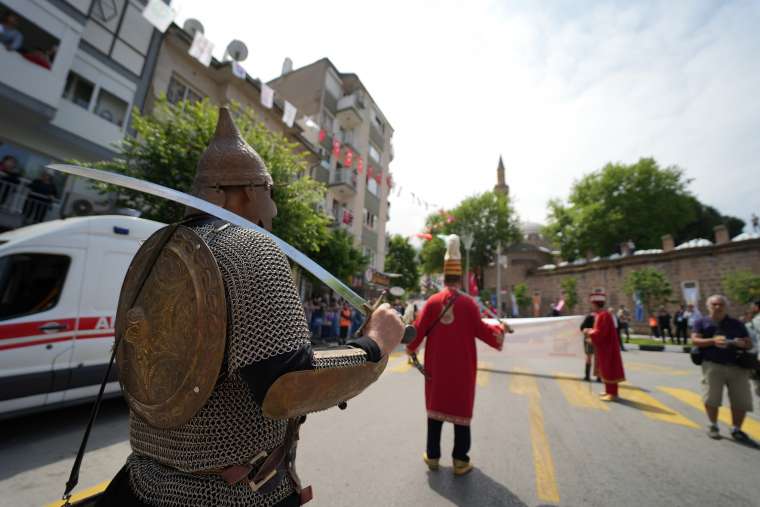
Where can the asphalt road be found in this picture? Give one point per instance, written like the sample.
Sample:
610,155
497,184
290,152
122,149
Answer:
540,437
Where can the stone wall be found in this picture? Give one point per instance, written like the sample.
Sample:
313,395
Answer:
705,265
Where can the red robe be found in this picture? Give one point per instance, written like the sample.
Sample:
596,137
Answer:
607,348
451,358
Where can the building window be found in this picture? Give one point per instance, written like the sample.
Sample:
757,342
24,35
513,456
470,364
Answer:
111,108
374,153
369,219
78,90
21,35
372,186
178,91
31,283
328,122
370,255
378,122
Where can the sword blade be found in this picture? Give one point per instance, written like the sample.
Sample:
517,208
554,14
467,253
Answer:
147,187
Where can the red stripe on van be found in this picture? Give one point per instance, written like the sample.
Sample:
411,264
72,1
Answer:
24,329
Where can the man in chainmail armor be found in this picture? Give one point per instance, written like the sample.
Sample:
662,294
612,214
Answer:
238,447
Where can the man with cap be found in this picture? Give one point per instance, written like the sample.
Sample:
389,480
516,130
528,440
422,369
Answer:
606,345
451,322
214,352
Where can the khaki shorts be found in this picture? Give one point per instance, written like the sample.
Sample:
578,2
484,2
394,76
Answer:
715,376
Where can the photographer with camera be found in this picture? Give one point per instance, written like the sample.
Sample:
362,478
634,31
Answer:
722,341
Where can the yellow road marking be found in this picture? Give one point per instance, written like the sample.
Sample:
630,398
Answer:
578,393
751,427
98,488
653,408
482,376
400,365
546,484
654,368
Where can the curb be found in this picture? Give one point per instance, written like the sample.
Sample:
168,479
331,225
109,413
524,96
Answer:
684,349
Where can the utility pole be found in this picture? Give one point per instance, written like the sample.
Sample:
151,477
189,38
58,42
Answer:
498,279
467,239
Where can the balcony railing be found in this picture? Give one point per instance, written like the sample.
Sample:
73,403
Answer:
348,111
343,177
19,206
342,217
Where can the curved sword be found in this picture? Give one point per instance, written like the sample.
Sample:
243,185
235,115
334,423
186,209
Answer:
147,187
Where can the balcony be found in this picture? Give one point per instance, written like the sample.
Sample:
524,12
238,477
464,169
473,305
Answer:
19,206
36,66
343,182
321,173
343,218
348,113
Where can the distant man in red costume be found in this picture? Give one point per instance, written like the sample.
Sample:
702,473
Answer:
451,321
607,346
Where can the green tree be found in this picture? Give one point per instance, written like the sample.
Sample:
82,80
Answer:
522,298
401,258
489,217
166,150
742,286
652,286
339,257
706,218
639,202
569,288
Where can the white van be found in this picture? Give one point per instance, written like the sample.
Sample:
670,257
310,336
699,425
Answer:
59,286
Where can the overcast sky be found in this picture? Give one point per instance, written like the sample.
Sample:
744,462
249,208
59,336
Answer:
557,88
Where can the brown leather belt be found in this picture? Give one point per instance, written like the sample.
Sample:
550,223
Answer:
280,461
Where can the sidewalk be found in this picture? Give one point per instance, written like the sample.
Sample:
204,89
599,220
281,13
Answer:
668,346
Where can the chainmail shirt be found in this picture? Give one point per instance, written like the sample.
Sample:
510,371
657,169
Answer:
266,319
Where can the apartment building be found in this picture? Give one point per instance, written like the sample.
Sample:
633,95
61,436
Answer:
72,70
357,196
180,76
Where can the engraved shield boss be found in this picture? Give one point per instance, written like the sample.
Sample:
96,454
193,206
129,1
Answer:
173,338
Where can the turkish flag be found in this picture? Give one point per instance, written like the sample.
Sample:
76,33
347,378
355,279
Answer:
473,283
336,147
348,159
369,171
322,135
359,165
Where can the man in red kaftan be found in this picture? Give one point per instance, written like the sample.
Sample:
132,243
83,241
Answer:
451,322
607,346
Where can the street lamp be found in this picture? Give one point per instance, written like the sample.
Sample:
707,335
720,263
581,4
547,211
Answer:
500,261
467,239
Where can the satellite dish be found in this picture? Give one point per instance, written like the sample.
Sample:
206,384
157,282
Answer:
236,50
396,291
287,65
192,25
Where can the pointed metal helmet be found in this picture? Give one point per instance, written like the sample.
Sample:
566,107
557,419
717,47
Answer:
228,161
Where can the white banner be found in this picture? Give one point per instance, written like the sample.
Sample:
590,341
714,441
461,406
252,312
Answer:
544,337
289,114
159,14
267,96
201,49
238,70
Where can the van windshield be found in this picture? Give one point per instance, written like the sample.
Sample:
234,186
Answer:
31,283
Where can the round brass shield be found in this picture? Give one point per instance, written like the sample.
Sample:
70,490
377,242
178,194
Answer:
172,339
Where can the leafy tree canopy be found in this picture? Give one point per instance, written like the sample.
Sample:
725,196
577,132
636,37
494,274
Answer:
651,285
742,286
166,150
489,217
401,258
522,298
569,288
339,257
639,202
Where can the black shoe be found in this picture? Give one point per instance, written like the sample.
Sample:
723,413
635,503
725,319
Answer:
713,431
587,378
742,438
598,380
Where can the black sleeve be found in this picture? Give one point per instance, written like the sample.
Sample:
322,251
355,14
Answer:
261,375
588,322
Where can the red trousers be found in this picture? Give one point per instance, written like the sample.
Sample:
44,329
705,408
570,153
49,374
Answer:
611,389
